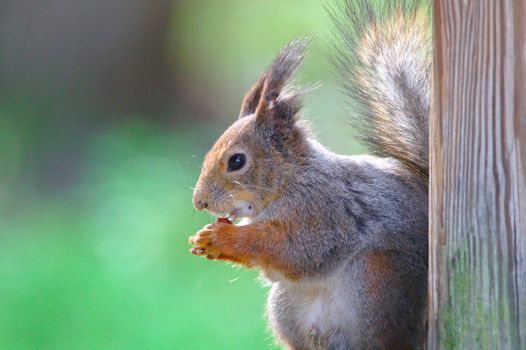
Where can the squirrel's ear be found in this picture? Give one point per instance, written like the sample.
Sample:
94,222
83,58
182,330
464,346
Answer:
252,97
279,102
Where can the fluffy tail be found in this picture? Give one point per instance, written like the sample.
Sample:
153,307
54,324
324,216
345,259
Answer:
385,57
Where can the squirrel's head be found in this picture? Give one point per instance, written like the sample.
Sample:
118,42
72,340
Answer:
246,167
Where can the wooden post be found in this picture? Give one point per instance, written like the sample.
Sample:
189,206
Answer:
478,176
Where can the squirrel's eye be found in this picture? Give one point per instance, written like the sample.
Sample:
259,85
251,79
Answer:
236,162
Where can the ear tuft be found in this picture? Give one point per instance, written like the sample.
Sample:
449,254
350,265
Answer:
272,86
284,66
280,101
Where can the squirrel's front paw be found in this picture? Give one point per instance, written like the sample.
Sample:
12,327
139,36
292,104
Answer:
208,241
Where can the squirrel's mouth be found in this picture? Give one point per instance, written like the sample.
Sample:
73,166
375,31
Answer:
225,216
240,210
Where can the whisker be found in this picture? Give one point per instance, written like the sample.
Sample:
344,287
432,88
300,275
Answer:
246,187
181,170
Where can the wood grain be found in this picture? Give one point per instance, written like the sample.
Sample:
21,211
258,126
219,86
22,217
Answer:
478,176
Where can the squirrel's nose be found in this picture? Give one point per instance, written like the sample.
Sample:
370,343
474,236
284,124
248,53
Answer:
200,197
201,204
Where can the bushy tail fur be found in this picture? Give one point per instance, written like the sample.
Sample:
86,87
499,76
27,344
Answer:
385,56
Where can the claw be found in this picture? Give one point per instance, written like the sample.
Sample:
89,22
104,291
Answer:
198,251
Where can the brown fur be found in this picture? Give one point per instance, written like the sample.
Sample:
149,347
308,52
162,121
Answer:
377,269
249,245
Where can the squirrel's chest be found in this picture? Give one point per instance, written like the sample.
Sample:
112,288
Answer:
311,311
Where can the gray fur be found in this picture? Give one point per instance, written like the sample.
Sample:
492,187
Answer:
372,204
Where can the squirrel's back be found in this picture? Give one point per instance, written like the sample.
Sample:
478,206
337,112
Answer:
384,56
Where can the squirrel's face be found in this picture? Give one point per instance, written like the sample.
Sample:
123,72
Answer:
236,177
245,168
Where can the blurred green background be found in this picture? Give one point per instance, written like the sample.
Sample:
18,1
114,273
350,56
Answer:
106,110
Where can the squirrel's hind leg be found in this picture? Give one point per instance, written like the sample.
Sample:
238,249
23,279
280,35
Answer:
391,287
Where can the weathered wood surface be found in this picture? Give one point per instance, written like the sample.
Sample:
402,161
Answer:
478,176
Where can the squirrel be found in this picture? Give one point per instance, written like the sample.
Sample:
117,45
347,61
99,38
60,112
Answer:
342,239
